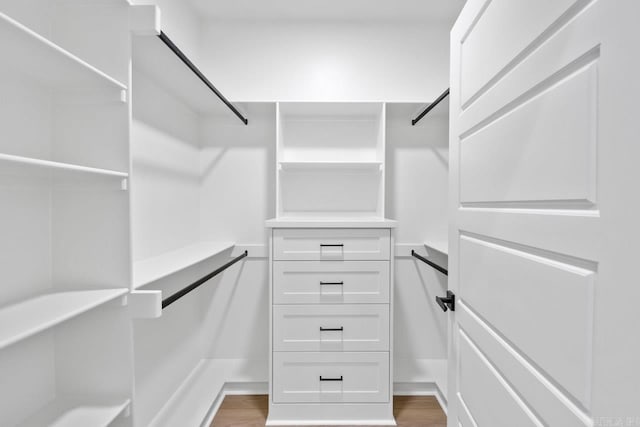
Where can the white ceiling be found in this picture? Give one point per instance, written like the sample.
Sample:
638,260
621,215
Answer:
349,10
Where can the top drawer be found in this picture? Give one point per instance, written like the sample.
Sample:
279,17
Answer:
332,244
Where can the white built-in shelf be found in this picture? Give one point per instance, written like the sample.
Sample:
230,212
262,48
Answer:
336,165
27,318
18,165
441,246
149,270
330,160
36,56
75,412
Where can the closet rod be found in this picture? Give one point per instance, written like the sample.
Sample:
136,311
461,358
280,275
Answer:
175,297
166,40
430,107
426,261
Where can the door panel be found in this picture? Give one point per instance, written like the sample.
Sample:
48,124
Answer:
464,418
520,22
571,232
570,49
479,380
534,389
544,214
544,306
503,161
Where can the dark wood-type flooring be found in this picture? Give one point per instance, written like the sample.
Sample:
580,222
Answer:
251,411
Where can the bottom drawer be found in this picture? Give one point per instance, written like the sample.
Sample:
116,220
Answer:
330,377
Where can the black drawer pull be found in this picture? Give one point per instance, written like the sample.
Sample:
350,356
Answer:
330,379
331,283
331,329
338,245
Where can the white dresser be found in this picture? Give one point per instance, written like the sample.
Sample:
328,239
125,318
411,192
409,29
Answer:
331,267
331,322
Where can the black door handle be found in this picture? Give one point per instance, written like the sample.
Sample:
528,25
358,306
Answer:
341,328
448,302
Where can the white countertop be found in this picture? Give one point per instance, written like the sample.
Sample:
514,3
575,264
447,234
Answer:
331,223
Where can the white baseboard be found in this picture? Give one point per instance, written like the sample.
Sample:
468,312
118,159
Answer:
230,389
421,389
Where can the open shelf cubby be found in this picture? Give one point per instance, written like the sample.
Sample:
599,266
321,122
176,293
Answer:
330,159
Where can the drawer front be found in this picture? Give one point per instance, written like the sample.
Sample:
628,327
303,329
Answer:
330,377
330,282
361,327
331,244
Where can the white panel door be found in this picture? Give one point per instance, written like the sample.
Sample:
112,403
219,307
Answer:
544,165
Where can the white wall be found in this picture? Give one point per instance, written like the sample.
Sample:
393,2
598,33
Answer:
417,176
238,169
165,163
417,172
237,195
312,61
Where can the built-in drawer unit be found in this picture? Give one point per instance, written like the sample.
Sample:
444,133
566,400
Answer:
330,282
331,244
363,327
331,324
330,377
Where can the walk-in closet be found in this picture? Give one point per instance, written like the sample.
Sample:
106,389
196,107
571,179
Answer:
295,213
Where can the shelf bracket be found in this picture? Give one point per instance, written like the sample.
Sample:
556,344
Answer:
145,304
144,20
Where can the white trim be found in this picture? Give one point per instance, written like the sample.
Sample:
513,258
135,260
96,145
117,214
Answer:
231,389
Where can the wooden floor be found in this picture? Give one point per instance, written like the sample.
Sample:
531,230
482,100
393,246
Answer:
251,411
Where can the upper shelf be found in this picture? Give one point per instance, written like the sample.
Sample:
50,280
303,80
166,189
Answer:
306,165
35,56
70,412
18,165
152,269
158,58
441,246
27,318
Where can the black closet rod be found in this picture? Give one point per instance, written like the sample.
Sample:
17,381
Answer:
175,297
430,107
426,261
201,76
